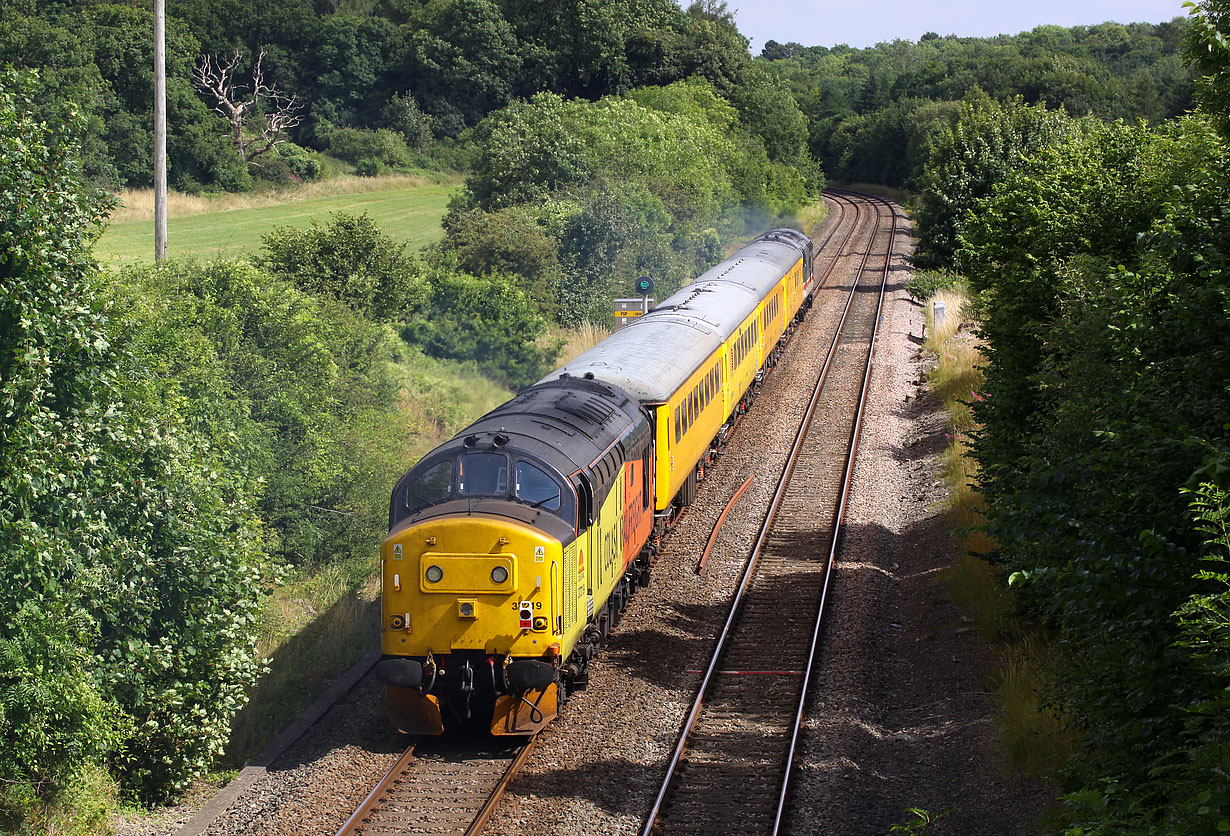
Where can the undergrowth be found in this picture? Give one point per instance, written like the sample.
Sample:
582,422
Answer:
1036,737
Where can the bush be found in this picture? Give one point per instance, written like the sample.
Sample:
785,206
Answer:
509,241
490,320
307,396
1101,268
982,147
351,260
402,114
301,162
926,283
654,182
369,149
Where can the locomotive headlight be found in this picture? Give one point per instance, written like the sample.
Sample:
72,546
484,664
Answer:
465,607
499,574
434,574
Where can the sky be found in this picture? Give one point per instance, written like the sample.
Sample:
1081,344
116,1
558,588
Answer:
861,23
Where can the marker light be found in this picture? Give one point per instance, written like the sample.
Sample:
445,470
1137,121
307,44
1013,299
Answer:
466,609
499,574
434,574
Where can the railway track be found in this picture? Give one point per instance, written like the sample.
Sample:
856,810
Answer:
438,787
730,770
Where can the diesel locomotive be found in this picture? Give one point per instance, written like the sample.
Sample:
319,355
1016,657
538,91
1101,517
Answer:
513,547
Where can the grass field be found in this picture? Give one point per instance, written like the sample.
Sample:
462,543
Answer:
406,209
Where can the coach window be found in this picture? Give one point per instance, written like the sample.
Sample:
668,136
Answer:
482,474
431,487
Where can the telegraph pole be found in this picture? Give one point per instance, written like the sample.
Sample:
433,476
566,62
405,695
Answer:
160,131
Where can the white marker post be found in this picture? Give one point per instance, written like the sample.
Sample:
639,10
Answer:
939,313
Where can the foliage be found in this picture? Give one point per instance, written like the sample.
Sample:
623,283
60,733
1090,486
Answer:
926,283
418,69
490,320
438,67
462,59
402,114
920,824
984,144
306,395
370,149
301,162
132,551
770,112
644,184
870,111
349,260
100,57
512,241
1208,52
1100,262
527,151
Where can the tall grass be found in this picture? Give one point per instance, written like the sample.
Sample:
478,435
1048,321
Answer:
138,204
578,340
1036,737
810,217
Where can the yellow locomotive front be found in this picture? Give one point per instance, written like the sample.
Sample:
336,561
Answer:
486,557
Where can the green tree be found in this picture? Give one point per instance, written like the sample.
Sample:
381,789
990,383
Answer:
461,61
122,43
55,383
1100,262
526,151
372,152
1208,52
770,112
401,113
986,142
135,556
354,61
490,320
511,241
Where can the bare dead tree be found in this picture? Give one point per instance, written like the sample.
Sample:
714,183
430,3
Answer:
280,112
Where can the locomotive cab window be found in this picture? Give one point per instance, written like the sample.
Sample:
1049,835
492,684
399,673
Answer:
534,486
432,487
482,474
